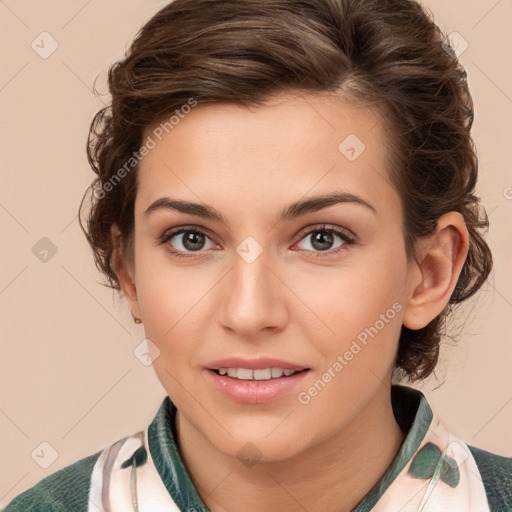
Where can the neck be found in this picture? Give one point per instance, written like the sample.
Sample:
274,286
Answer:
330,477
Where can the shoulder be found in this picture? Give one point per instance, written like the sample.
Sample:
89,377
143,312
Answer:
66,489
496,474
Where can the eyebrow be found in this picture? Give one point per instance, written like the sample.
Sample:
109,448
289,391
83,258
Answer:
292,211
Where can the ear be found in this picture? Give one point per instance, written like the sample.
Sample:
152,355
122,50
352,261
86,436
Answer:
125,272
434,277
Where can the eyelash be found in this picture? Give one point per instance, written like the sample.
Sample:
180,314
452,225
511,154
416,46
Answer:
321,228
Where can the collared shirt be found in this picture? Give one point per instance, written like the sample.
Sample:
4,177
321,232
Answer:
433,471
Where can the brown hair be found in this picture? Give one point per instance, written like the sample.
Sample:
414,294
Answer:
389,55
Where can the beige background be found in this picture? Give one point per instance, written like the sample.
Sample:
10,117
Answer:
68,374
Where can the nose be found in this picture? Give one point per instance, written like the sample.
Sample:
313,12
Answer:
253,301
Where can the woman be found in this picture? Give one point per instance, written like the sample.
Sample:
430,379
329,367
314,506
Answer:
286,200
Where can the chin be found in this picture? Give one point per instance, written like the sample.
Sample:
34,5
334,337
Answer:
259,443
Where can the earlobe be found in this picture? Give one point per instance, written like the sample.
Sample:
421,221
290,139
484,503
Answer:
124,272
441,259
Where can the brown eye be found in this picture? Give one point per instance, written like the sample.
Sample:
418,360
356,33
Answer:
185,240
321,239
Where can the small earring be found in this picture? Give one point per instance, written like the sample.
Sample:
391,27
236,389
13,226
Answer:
137,320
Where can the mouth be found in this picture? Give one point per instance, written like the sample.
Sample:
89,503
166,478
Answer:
255,381
257,374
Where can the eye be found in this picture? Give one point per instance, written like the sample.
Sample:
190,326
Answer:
193,241
322,238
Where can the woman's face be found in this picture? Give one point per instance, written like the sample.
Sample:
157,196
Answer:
266,284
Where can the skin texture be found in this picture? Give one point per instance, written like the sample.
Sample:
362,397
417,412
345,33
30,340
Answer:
295,302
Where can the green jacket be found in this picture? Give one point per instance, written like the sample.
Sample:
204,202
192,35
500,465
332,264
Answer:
433,471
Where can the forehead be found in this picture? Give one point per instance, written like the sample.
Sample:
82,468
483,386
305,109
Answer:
291,146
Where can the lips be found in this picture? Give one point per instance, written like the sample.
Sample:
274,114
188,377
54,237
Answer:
260,363
255,381
260,374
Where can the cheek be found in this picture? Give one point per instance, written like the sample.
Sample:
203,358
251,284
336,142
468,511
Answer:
166,304
354,296
360,311
168,293
175,302
363,311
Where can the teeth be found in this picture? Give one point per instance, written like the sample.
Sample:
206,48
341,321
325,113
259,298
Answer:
244,374
276,373
263,374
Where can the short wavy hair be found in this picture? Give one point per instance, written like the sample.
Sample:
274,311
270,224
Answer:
387,55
